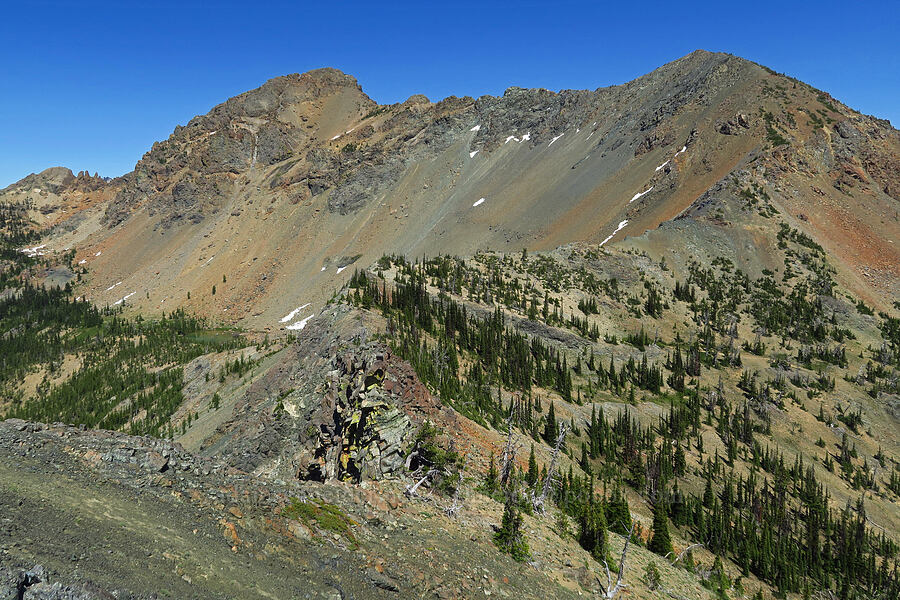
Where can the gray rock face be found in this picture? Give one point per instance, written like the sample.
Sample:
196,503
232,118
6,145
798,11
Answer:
277,123
35,584
359,432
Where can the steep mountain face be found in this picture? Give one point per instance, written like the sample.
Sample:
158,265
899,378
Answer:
278,189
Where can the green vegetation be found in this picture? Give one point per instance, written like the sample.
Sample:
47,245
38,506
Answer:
771,517
93,366
509,538
324,517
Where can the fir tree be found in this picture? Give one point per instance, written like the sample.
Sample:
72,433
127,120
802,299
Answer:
532,476
592,533
550,427
660,542
509,538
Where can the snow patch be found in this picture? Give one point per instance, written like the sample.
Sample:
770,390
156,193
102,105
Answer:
480,201
335,137
510,139
113,285
121,300
300,324
290,316
526,137
618,229
683,148
554,139
639,194
32,252
473,153
99,252
322,269
662,165
340,269
82,261
476,128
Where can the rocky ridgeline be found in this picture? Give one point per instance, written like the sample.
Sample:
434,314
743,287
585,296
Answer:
117,452
275,131
37,584
350,416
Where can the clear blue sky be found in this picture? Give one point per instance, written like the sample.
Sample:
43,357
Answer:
92,85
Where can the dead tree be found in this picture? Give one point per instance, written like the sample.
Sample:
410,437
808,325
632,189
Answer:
456,504
538,501
411,489
509,454
683,552
610,590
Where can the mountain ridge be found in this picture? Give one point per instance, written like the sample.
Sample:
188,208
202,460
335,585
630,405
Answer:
316,145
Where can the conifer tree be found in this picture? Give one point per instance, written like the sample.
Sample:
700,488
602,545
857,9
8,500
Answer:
532,476
550,427
490,482
509,538
660,542
592,534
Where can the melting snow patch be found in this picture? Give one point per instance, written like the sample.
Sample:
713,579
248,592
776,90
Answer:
340,269
476,128
290,316
683,148
32,252
589,135
82,261
554,139
120,301
113,285
335,137
639,194
99,252
473,153
480,201
662,165
526,137
300,324
209,260
618,229
510,139
322,269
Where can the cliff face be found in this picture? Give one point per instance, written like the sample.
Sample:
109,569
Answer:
277,189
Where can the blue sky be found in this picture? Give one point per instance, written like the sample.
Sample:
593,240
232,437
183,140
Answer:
91,85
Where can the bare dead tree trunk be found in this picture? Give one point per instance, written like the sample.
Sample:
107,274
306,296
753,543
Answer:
456,504
411,489
683,552
538,502
509,454
609,590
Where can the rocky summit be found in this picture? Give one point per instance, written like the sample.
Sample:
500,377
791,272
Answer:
634,342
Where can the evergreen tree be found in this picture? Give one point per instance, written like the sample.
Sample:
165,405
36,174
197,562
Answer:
660,542
592,534
550,427
532,476
490,482
509,538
